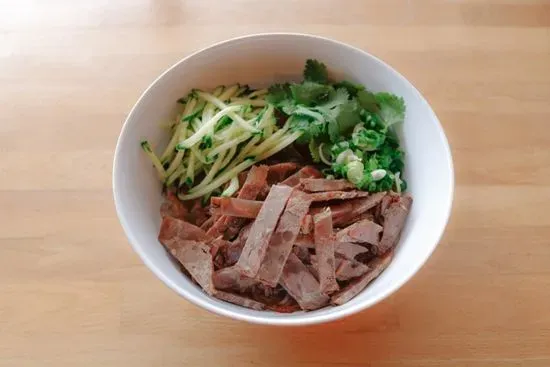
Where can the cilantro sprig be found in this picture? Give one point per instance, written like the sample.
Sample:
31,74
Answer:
346,127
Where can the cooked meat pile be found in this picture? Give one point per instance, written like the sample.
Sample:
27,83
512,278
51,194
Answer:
288,241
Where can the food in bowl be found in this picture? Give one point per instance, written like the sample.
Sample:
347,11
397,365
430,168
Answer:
287,198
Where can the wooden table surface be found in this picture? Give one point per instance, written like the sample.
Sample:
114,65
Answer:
72,291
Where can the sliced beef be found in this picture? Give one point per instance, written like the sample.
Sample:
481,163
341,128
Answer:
337,195
380,209
242,208
306,172
214,208
368,215
346,249
242,177
173,230
305,240
324,250
394,220
313,269
376,267
255,180
277,173
350,250
215,202
307,225
208,223
243,234
286,305
345,269
198,213
234,226
234,207
348,210
216,244
323,184
268,295
264,192
366,257
196,258
231,278
364,231
239,300
283,238
302,285
229,253
292,249
173,207
280,172
302,253
348,269
284,308
262,229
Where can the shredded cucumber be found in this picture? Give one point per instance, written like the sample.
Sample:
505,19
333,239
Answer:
205,128
217,136
156,161
221,105
232,188
174,176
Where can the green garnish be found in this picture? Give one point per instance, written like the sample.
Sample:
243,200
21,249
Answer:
154,159
346,127
316,71
206,142
355,124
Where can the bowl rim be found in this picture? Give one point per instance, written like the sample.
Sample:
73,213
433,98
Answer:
290,319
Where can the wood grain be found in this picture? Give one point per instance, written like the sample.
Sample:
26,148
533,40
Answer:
74,293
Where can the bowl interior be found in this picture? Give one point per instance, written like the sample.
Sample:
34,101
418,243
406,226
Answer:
259,61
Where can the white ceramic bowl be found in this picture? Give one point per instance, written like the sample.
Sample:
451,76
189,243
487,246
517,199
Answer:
260,60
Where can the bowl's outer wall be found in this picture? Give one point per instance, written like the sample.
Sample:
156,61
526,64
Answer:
259,61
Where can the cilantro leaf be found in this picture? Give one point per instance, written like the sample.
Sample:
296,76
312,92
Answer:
352,88
345,121
316,71
312,113
309,127
310,93
278,93
392,108
288,106
335,98
314,150
368,101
